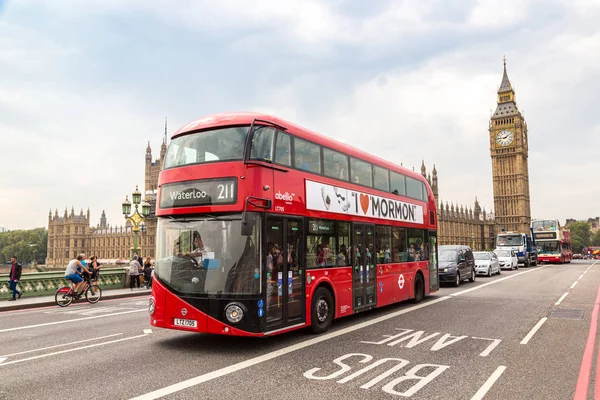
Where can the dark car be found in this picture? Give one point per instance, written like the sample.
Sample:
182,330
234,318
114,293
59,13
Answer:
456,264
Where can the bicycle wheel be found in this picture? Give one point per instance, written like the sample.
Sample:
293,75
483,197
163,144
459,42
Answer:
63,297
93,294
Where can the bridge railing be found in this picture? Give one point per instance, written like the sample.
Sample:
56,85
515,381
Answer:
46,283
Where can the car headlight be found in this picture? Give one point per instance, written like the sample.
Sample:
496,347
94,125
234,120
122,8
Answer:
151,306
234,313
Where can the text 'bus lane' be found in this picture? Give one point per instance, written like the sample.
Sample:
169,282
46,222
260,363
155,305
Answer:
396,375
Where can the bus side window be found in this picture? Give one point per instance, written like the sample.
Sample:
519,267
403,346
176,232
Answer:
283,152
262,143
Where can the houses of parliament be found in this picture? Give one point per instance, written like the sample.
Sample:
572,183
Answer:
70,234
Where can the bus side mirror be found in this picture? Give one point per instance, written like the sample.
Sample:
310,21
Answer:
247,224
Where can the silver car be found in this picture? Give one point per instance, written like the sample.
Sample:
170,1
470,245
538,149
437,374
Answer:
486,263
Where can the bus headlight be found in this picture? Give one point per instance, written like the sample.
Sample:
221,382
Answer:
151,306
234,313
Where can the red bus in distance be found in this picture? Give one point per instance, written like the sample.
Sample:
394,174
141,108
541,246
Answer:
266,227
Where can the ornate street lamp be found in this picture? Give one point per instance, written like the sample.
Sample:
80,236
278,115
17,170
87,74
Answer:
136,218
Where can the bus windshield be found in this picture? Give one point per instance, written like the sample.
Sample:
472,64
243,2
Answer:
223,144
549,247
544,225
208,256
510,240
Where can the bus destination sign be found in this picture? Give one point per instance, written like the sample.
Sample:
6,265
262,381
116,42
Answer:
205,192
545,235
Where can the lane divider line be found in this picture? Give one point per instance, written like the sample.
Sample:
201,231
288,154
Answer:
561,299
580,276
534,330
581,390
489,383
177,387
18,328
573,285
60,345
70,350
496,281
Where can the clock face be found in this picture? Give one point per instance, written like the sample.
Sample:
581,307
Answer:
504,137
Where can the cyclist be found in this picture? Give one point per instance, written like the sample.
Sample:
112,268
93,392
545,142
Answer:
94,267
72,273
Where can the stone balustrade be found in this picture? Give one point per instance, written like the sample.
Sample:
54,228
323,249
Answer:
46,283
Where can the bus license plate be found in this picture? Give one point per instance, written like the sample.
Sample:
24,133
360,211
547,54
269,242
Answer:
189,323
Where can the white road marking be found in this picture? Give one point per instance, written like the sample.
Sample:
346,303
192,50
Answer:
492,346
70,350
176,387
489,383
533,330
147,331
61,345
561,299
580,276
2,359
496,281
573,285
69,320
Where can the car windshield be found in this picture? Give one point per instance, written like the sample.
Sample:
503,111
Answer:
223,144
481,255
502,253
208,256
448,255
510,240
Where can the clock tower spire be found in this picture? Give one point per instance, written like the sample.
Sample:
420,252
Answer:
510,169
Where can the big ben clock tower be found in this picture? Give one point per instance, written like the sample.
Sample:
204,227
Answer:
510,169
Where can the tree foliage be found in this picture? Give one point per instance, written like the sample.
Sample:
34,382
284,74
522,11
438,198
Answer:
581,235
596,238
27,245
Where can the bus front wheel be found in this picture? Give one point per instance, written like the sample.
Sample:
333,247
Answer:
322,310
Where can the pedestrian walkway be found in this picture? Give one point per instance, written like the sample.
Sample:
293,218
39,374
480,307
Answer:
42,301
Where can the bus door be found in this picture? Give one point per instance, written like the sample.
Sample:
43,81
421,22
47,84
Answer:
285,279
434,280
364,282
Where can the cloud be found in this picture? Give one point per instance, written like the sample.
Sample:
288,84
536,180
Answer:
85,85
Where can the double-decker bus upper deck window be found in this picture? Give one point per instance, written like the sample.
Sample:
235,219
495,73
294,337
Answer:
262,143
544,225
414,188
307,156
398,183
223,144
361,172
335,164
283,149
382,178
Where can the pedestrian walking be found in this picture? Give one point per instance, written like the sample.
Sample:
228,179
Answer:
148,273
14,277
134,273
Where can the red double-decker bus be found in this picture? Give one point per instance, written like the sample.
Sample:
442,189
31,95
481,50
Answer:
265,227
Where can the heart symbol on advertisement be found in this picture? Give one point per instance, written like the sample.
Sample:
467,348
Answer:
364,203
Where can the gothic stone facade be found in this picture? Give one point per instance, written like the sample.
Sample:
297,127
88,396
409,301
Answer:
469,226
509,148
71,234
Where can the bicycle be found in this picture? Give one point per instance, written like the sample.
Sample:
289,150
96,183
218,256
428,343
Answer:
66,294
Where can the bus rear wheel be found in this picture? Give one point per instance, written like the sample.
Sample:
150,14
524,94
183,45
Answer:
322,310
419,289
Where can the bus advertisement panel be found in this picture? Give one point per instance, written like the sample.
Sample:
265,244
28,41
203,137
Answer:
554,243
265,227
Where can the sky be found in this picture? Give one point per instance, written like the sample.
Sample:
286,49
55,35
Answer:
85,85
